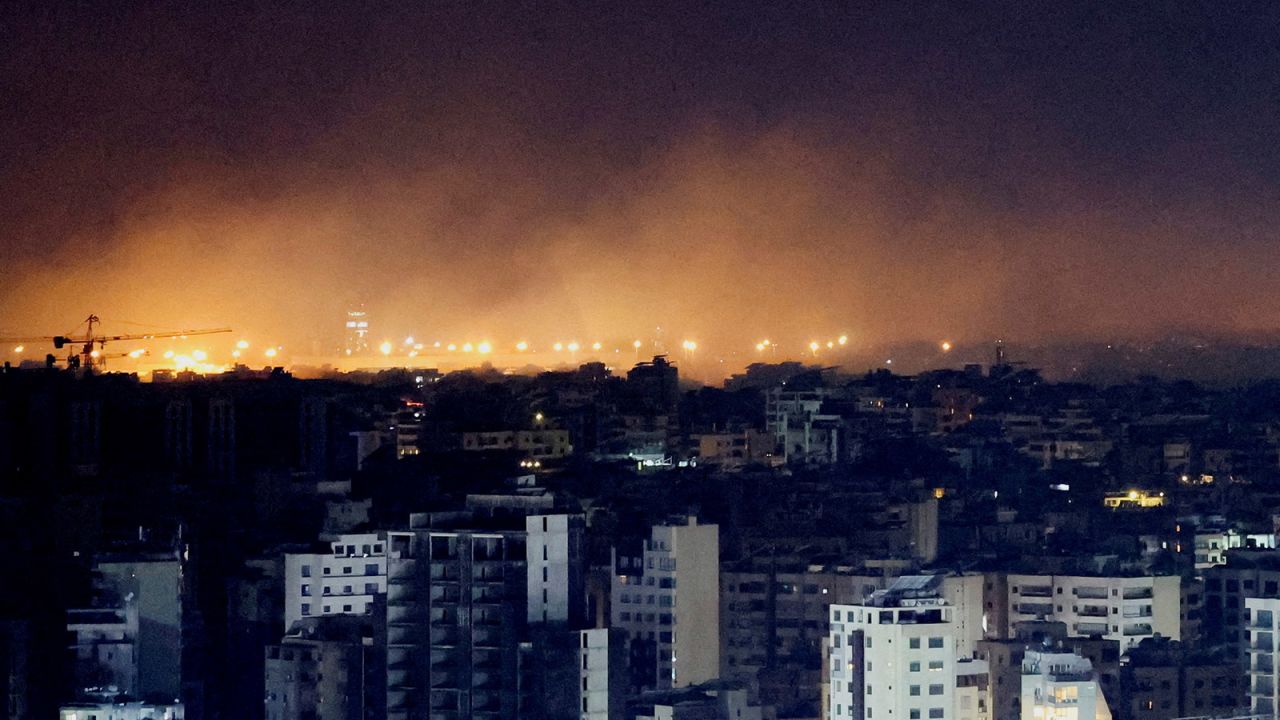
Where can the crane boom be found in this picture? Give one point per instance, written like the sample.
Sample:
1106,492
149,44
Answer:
89,353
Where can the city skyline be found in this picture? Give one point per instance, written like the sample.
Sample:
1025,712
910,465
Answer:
894,173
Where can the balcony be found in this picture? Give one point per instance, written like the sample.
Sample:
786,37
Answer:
486,637
1087,629
1037,591
1263,642
445,637
1262,664
1091,593
1035,608
1094,611
1137,593
1263,685
1137,629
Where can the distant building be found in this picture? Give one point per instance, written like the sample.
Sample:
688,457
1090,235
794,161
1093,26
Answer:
894,655
1164,678
556,570
356,340
668,602
802,432
1061,685
130,643
328,668
773,625
452,638
1004,661
735,450
574,674
1125,609
655,384
1247,574
1212,544
343,581
542,444
1263,622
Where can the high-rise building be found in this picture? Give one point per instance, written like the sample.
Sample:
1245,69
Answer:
573,674
773,623
343,581
1061,685
454,622
668,602
556,569
1262,618
894,655
357,332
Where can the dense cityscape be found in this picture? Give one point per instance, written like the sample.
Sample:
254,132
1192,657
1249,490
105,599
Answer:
657,360
616,542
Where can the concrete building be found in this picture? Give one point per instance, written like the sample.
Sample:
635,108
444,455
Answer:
1004,660
668,601
803,433
735,450
556,570
773,623
1125,609
542,444
130,643
345,580
1211,545
329,668
894,655
454,622
973,690
1263,623
1165,678
1247,574
574,674
964,593
1060,685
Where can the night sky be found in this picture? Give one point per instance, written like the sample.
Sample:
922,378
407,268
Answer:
729,170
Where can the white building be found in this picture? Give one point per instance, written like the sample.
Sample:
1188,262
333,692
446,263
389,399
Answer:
1262,615
1212,545
344,581
973,690
602,686
894,656
1061,686
556,583
802,432
670,598
965,594
1125,609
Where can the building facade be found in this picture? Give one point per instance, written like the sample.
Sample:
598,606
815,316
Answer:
346,580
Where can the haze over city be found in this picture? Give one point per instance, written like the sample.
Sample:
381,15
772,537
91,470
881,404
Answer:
729,173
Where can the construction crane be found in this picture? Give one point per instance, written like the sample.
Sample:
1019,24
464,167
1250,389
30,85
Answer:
87,347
